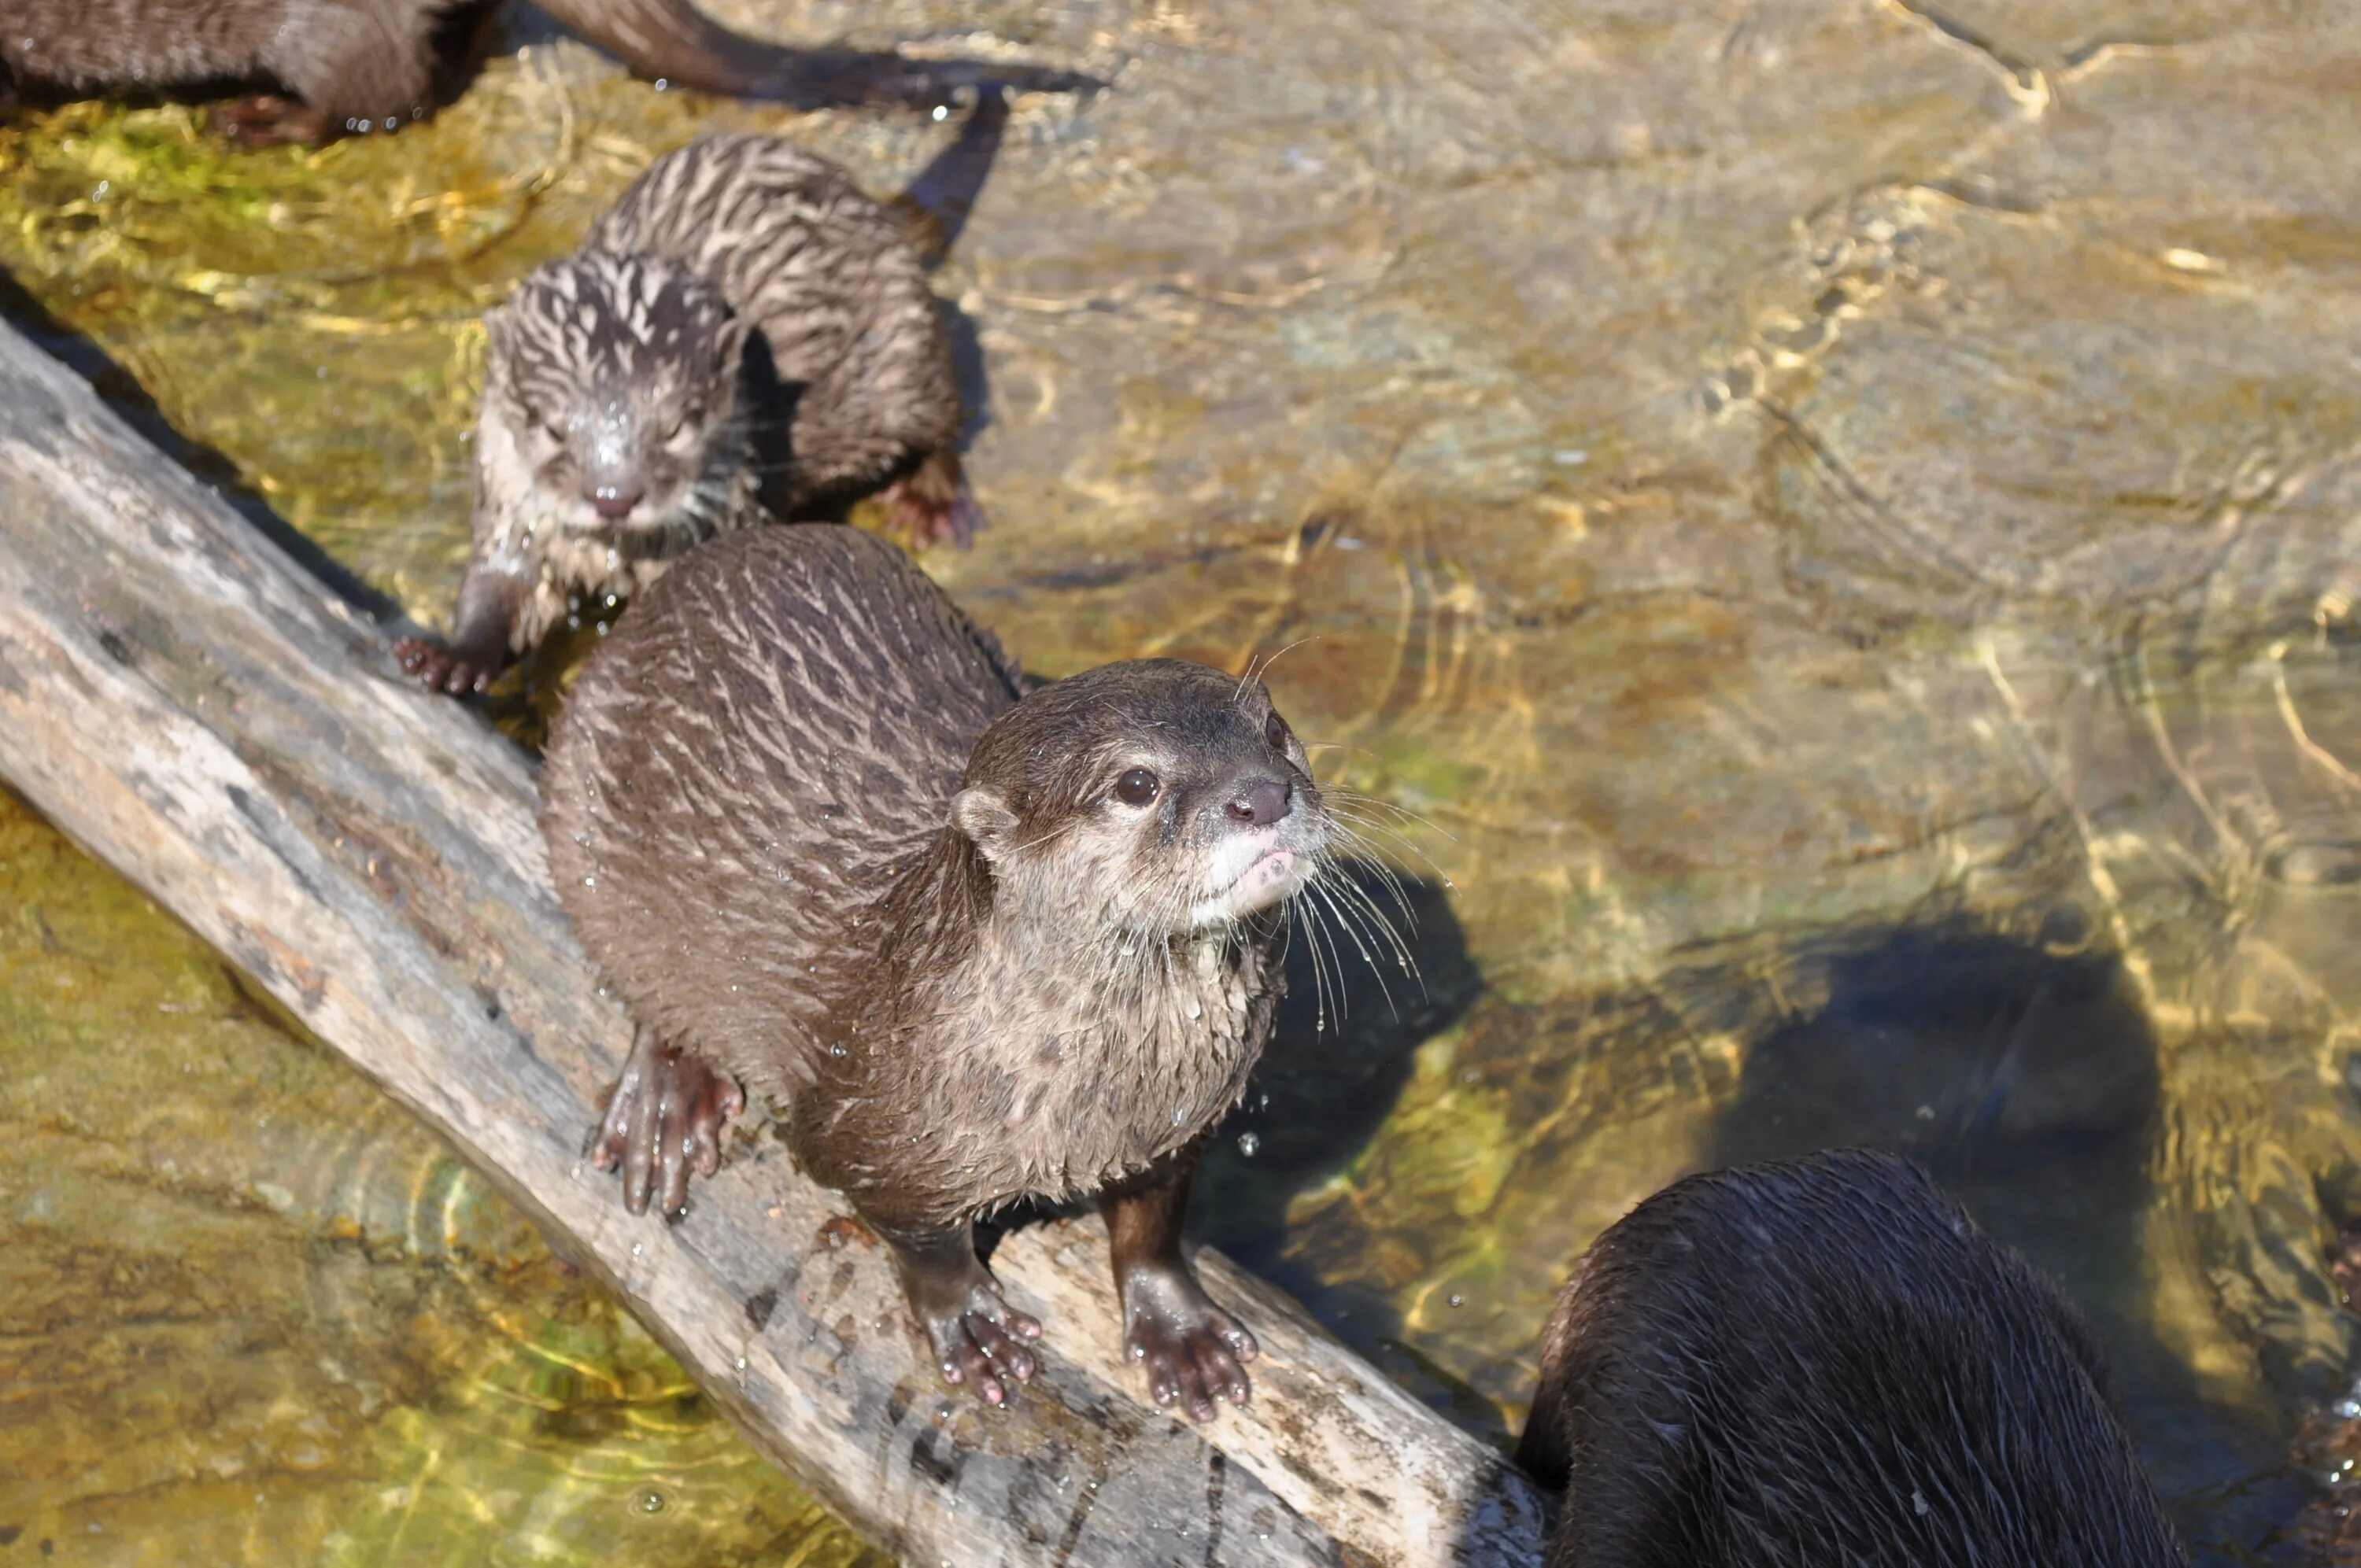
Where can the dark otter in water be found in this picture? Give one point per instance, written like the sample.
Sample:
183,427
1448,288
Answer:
363,65
1825,1362
985,947
624,421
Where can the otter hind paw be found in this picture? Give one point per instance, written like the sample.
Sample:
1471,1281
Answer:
984,1343
1193,1351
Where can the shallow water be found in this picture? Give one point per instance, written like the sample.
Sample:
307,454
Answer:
1839,519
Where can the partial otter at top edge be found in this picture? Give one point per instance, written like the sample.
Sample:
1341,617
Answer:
1795,1365
368,65
987,948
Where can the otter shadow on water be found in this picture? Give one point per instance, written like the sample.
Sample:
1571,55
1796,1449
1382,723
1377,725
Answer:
2027,1084
1339,1055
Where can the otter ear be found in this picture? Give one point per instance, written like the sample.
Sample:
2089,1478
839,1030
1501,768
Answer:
979,812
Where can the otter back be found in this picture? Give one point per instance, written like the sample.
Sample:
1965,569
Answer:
736,778
1821,1363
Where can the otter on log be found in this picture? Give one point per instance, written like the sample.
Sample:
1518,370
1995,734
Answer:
1826,1361
624,421
986,947
370,65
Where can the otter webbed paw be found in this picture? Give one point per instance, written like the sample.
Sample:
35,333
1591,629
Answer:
1194,1351
663,1118
975,1337
983,1343
441,669
266,119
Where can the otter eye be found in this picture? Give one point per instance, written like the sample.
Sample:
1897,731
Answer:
1274,731
1136,787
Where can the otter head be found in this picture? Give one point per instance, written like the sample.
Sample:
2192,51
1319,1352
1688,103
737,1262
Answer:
612,388
1156,796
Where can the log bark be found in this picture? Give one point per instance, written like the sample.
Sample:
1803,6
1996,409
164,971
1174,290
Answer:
219,727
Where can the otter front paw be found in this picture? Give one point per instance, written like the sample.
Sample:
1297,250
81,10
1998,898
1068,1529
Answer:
265,119
439,669
982,1342
1193,1351
663,1118
927,510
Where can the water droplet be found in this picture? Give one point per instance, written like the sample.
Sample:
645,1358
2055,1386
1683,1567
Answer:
648,1500
638,1247
1247,1144
836,1050
589,881
1458,1299
1196,1008
741,1364
1178,1119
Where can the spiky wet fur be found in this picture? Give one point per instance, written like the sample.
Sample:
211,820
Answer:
805,828
645,328
1825,1362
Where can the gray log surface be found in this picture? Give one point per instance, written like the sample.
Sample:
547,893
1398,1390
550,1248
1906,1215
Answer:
213,723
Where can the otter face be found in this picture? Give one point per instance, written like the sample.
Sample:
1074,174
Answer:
612,385
1167,796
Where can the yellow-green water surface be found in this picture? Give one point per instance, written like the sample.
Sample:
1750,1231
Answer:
1840,518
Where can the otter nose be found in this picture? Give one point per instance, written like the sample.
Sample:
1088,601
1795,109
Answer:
1259,803
615,501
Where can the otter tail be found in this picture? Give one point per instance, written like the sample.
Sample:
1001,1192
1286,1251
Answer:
667,41
936,205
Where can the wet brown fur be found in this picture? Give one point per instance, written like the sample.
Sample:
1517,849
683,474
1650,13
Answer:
807,828
749,803
623,366
1825,1362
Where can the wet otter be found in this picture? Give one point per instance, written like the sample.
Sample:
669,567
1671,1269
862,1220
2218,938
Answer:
624,420
1825,1362
986,947
363,65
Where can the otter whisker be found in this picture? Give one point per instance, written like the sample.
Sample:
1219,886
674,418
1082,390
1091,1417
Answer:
1367,801
1259,665
1381,931
1365,855
1355,926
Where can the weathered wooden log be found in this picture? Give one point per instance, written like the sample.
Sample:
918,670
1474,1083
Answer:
230,735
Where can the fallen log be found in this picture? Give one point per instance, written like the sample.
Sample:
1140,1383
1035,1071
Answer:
231,735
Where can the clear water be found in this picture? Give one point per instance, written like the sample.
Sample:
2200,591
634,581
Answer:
1839,519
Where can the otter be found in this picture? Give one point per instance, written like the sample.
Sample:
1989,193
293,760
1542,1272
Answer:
1795,1364
624,419
370,65
986,943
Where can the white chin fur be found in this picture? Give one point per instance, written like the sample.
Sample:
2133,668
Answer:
1274,875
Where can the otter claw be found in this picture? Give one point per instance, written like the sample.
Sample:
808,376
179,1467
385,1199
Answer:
663,1118
439,669
979,1346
